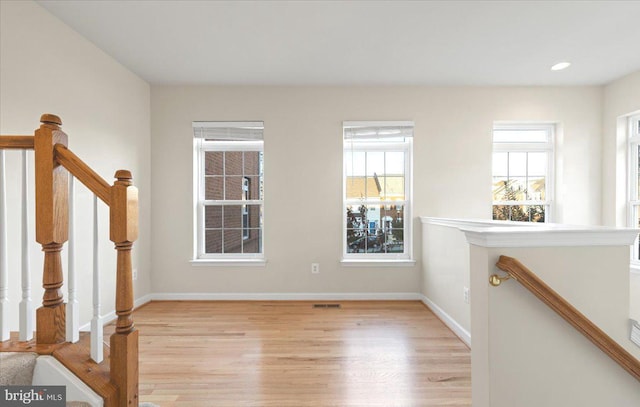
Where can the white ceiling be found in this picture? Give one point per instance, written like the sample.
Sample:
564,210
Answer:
363,42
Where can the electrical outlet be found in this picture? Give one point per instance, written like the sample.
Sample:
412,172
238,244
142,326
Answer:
135,274
466,294
315,268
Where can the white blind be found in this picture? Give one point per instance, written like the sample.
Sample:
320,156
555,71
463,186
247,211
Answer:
229,131
377,130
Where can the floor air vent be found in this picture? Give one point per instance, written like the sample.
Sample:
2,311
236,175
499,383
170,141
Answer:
326,305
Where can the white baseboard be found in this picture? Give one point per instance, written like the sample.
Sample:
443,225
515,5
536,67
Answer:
457,329
142,300
111,316
284,296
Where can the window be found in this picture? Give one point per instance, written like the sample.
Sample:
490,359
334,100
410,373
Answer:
377,190
522,172
634,181
229,190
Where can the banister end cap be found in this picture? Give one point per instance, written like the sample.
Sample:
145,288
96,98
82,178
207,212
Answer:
49,118
123,175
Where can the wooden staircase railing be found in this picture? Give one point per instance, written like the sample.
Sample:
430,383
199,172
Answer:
517,271
53,162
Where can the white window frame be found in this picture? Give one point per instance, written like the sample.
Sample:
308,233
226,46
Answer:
531,147
245,208
201,146
633,203
380,259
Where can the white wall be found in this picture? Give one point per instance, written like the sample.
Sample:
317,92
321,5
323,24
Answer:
525,355
303,147
45,67
445,274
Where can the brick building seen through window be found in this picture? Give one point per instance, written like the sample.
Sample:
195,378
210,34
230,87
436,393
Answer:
233,176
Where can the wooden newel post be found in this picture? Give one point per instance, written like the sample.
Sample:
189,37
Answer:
124,342
52,225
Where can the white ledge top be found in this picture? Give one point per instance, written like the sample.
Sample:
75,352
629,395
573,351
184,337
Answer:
495,233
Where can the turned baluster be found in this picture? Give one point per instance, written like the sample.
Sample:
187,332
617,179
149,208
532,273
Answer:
124,342
51,227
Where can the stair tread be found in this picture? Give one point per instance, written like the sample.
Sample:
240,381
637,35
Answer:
77,358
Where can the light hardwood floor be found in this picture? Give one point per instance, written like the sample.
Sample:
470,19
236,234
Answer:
288,354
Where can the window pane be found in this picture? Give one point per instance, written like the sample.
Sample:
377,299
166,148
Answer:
255,218
233,163
515,190
537,213
253,244
251,163
500,166
519,213
537,164
500,187
354,162
374,187
517,164
536,189
352,236
213,241
393,187
255,190
233,241
394,163
356,217
500,212
213,217
232,216
233,188
213,188
375,163
355,187
392,222
213,163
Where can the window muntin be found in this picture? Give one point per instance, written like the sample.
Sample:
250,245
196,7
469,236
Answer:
634,182
522,172
377,190
230,186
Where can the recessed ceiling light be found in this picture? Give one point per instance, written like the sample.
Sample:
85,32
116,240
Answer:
560,66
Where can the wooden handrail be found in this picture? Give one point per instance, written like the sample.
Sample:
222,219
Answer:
83,172
16,142
546,294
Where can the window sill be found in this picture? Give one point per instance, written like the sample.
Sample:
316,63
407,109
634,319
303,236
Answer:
228,262
377,263
635,268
